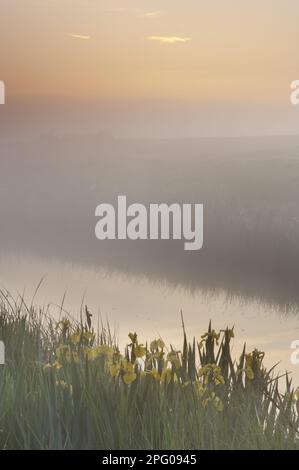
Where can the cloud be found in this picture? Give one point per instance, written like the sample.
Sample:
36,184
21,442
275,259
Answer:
168,39
79,36
152,14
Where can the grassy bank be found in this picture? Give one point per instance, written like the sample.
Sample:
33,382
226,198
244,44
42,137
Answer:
66,385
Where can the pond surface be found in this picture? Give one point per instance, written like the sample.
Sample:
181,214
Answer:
152,309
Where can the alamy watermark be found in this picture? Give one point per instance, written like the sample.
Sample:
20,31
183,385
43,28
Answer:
153,222
2,353
2,92
294,96
295,354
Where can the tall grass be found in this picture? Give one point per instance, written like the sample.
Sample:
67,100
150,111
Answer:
67,386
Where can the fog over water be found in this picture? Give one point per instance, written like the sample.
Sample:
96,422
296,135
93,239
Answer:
50,187
245,275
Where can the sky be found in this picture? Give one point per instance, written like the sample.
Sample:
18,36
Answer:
217,52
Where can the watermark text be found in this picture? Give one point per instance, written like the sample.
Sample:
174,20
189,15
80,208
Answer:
2,353
2,92
152,222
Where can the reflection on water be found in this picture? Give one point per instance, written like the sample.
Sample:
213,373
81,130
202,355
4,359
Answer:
152,309
50,187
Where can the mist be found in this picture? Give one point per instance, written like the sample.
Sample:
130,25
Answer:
50,187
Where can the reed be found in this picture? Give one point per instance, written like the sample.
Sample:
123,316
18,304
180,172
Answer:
66,385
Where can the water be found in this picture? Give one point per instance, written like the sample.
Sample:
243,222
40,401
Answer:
151,309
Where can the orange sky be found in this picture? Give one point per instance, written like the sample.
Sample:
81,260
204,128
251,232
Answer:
128,49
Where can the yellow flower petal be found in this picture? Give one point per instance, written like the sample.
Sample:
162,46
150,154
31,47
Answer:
129,377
